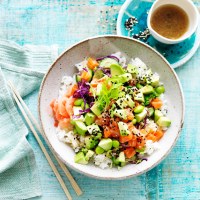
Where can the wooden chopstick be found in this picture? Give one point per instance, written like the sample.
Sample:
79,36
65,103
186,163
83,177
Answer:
63,167
53,167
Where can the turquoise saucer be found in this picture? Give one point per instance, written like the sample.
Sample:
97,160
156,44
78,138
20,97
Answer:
176,54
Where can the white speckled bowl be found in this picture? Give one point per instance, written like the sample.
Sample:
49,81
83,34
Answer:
102,46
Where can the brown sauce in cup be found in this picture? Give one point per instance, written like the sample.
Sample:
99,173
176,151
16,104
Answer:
170,21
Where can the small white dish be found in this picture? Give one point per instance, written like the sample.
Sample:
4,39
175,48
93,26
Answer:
190,9
102,46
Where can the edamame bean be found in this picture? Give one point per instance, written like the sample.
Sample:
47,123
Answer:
86,106
99,150
134,121
160,89
115,144
138,85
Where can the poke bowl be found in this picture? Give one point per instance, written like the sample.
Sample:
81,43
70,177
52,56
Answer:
111,107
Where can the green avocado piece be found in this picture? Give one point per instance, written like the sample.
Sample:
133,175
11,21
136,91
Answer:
96,110
121,157
89,118
125,77
120,113
105,144
121,102
132,69
80,158
90,142
154,80
157,115
80,127
140,116
116,70
93,129
164,122
88,155
107,62
150,111
139,97
129,101
147,89
123,128
98,74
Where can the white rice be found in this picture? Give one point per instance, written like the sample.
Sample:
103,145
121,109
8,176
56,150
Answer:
102,161
151,147
65,83
151,125
70,138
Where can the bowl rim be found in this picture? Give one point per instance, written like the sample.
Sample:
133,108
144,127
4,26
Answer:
96,176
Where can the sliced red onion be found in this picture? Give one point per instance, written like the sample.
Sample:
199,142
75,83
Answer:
84,111
85,69
109,56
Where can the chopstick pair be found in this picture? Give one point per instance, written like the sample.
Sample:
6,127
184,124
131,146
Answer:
27,114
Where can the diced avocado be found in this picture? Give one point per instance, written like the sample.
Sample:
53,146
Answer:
138,109
89,154
150,112
99,88
96,110
78,78
157,115
105,144
132,69
80,158
78,102
154,80
124,77
80,127
139,117
139,97
106,62
90,142
164,122
123,128
121,102
121,157
98,74
89,118
129,101
93,129
147,89
116,70
120,113
76,110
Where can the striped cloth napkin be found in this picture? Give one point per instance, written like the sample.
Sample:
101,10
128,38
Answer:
24,67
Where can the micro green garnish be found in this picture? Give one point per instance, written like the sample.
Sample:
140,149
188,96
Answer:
108,94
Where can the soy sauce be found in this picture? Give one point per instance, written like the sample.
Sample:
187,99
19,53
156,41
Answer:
170,21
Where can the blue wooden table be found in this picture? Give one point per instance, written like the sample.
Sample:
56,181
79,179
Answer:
64,22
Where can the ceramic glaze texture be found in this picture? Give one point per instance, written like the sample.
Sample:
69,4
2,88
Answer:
102,46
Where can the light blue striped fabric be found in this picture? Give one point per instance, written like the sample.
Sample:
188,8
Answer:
18,171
